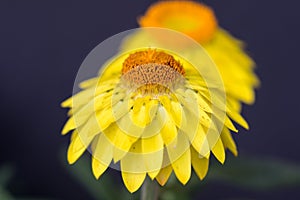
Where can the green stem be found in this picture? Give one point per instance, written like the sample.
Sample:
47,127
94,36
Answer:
150,190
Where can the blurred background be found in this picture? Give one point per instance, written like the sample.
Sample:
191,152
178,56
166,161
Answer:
42,45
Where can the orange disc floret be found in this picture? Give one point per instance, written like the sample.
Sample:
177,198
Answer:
151,56
191,18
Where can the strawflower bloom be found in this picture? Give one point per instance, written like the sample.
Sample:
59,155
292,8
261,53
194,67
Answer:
198,21
153,112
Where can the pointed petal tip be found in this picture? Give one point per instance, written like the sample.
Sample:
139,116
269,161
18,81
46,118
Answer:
98,168
133,181
235,130
70,125
222,161
63,132
71,160
233,151
153,174
161,182
164,174
247,127
185,181
67,103
70,157
63,105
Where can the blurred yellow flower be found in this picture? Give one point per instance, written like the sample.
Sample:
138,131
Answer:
153,112
191,18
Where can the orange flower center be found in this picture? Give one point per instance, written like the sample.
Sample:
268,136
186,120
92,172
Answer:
151,71
151,56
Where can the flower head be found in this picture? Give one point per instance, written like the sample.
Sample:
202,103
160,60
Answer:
152,112
236,68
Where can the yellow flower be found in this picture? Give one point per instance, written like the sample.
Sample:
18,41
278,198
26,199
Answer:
153,112
197,21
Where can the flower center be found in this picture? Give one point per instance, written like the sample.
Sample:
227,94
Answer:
149,56
151,71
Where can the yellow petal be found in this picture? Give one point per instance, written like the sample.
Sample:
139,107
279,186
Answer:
200,164
133,161
105,118
151,108
234,104
164,175
118,154
143,111
121,108
88,83
129,127
133,168
238,118
180,158
70,125
83,97
216,97
106,86
218,151
133,181
200,142
228,123
79,99
82,115
189,100
76,148
190,112
182,167
205,119
138,114
204,104
166,102
98,168
242,92
103,150
153,174
228,141
90,129
157,123
169,131
120,140
67,103
177,113
153,149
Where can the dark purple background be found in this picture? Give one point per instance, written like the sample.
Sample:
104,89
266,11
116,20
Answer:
43,43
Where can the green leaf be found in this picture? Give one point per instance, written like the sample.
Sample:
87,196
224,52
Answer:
256,173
